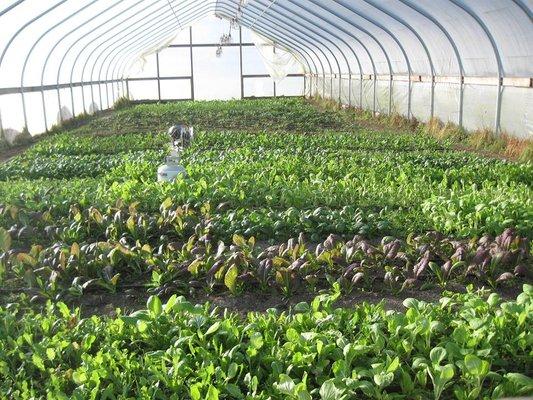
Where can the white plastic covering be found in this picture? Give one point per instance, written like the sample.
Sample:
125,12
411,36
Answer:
138,65
278,62
343,44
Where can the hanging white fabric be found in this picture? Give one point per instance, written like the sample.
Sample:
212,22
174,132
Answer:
278,62
137,66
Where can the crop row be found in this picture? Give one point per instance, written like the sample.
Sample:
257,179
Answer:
413,190
80,166
181,248
82,144
467,346
294,115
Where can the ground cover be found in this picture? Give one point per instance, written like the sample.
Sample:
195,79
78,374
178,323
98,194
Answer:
281,201
467,346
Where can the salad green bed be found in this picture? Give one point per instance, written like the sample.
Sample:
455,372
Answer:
276,210
279,199
468,346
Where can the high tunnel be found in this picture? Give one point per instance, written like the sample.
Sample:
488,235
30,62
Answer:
467,62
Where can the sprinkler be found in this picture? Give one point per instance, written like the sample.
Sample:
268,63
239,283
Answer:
181,136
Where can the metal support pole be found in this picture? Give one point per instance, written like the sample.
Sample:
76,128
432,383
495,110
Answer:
497,55
349,90
192,63
461,100
1,127
240,62
158,76
390,93
273,81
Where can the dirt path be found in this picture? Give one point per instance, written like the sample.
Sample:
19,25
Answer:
11,152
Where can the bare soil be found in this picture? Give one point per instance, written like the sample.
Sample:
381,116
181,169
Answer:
105,303
8,154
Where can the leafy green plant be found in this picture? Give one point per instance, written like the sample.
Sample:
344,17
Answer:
313,351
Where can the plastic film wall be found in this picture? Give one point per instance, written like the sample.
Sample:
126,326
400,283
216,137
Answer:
463,61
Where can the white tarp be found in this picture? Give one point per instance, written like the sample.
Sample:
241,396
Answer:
278,62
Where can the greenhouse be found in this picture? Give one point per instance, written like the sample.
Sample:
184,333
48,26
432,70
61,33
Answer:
266,199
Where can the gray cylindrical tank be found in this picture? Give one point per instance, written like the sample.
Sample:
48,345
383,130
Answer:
169,171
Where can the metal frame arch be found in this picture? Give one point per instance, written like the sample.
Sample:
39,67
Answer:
333,35
97,46
12,6
97,38
288,38
497,55
162,30
524,8
346,32
191,15
124,63
356,57
85,36
329,40
422,42
291,43
436,22
132,29
292,32
129,32
43,71
398,43
23,27
28,55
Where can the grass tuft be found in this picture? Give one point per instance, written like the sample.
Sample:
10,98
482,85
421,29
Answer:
482,140
122,103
